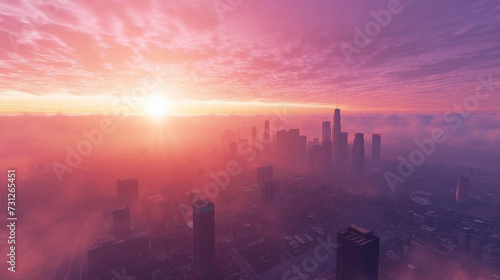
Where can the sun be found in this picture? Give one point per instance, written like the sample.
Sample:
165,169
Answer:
156,106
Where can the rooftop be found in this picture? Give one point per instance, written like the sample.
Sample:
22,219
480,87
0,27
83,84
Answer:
358,235
203,203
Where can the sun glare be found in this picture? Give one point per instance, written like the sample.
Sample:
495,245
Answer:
156,106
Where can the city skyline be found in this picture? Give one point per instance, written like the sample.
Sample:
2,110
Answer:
286,189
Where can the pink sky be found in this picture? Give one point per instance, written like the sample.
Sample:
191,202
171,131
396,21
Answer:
210,57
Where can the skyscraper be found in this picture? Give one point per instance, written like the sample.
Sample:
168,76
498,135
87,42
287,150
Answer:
269,192
121,221
317,159
357,254
327,145
291,147
264,174
327,132
358,154
376,140
343,164
229,139
463,239
105,257
266,141
336,138
204,239
463,189
302,155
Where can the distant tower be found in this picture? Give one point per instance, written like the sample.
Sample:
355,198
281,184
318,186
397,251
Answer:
291,147
127,191
464,239
317,159
336,139
302,156
269,191
327,132
204,239
358,154
327,145
463,189
266,141
343,164
357,254
376,140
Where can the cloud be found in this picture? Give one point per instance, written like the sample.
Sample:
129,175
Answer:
285,51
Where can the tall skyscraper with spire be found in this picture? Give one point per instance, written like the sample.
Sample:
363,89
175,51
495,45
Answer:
336,140
327,145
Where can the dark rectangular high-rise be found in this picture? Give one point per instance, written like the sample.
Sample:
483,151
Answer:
343,163
104,258
327,145
302,155
264,174
317,159
376,140
336,138
204,239
269,191
127,191
291,147
327,132
358,154
357,254
121,221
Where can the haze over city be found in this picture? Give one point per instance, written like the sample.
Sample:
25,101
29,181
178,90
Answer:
242,140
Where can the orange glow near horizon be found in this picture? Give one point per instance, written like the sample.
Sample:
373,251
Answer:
159,106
